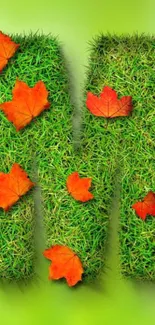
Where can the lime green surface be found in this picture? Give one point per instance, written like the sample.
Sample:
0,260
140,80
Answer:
76,23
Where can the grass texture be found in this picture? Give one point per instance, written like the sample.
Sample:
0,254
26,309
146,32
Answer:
38,58
126,63
49,141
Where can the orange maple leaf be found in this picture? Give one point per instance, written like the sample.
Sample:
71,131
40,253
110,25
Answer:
65,264
7,49
108,105
13,185
26,104
78,187
146,206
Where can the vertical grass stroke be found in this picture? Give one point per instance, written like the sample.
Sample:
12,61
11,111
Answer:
126,63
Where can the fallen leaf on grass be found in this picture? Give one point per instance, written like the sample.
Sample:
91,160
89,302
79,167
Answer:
108,105
27,103
146,206
7,49
65,264
78,187
13,185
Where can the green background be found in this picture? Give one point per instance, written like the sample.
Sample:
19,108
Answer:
117,302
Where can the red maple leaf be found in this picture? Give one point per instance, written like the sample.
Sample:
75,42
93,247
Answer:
108,105
146,206
27,103
13,185
65,264
7,49
78,187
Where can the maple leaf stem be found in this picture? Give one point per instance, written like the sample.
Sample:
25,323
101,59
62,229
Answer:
106,125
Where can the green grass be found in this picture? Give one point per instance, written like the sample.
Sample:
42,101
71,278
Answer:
38,58
49,140
126,63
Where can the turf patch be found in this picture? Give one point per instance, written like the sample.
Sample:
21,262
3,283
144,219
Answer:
48,141
126,64
38,58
